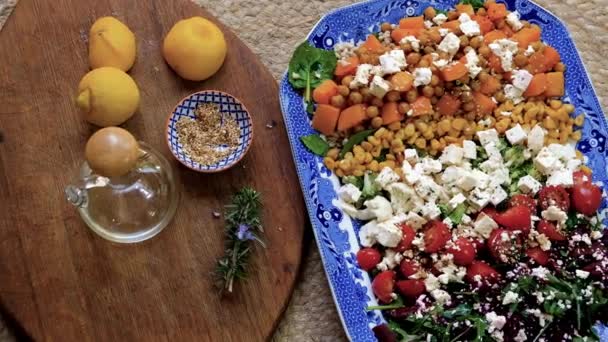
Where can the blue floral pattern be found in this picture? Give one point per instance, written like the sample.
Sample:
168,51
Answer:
336,234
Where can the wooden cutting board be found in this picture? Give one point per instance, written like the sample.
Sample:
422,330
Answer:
59,279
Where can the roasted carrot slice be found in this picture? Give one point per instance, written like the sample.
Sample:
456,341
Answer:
489,85
402,81
325,119
347,68
412,23
497,11
555,84
351,117
537,85
422,106
398,34
526,36
493,35
454,71
372,44
323,93
448,104
483,104
390,113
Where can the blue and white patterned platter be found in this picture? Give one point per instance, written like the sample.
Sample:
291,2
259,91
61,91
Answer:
228,105
336,234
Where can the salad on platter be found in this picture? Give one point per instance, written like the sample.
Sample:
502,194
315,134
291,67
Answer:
454,148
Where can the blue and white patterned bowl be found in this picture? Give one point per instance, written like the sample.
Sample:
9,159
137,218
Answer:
335,232
229,105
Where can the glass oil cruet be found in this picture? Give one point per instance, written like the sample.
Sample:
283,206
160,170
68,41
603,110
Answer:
127,191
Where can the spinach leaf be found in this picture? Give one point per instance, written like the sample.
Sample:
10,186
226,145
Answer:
477,4
355,139
309,66
315,144
440,11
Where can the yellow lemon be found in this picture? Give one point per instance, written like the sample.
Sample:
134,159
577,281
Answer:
107,96
112,151
195,48
111,43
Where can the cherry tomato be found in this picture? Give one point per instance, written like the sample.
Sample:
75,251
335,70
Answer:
408,236
538,255
436,235
490,211
550,231
554,195
463,251
483,270
524,200
479,244
504,245
516,218
411,288
586,198
383,286
368,258
408,267
581,176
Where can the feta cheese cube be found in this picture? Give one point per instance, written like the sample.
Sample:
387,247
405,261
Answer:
441,63
414,220
529,51
470,28
467,181
351,211
431,283
428,24
367,234
413,41
349,193
482,178
484,225
561,177
390,260
573,164
516,135
513,93
411,155
364,72
452,154
430,211
441,297
440,19
504,49
582,274
553,213
493,154
488,136
479,198
496,322
386,177
470,149
510,298
411,175
528,185
564,152
392,61
428,189
463,18
443,32
387,233
456,201
403,198
536,138
498,196
450,44
428,166
514,22
422,76
521,79
380,207
543,242
546,163
379,87
472,63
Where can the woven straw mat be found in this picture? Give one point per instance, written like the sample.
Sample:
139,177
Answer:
273,28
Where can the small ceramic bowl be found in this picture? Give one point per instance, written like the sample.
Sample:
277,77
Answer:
229,105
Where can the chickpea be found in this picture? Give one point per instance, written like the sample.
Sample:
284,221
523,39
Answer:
428,50
377,102
434,100
365,92
355,97
475,42
428,91
386,27
464,41
483,76
393,96
343,90
372,112
403,108
488,3
411,95
501,24
439,91
406,47
500,96
520,60
413,58
424,39
423,63
347,80
338,101
468,106
485,51
452,15
560,67
466,96
420,143
475,85
376,122
459,124
481,11
430,13
434,80
435,36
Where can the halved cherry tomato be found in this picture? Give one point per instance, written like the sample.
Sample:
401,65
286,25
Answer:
554,195
490,211
479,244
550,231
368,258
581,176
483,270
538,255
436,235
525,200
411,288
586,198
408,236
504,245
383,286
408,267
463,251
516,218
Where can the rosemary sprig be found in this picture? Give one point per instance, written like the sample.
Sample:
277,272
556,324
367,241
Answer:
243,224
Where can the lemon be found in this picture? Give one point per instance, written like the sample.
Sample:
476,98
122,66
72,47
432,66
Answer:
107,96
111,43
112,151
195,48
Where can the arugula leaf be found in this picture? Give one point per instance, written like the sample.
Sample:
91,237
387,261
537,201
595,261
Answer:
310,108
459,311
309,66
454,215
355,139
477,4
382,156
315,144
405,337
398,303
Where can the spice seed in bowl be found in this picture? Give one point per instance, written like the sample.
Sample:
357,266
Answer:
210,137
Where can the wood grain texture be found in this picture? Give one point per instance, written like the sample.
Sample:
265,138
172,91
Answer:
59,279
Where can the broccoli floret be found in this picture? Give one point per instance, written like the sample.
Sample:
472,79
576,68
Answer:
354,180
370,189
514,156
502,144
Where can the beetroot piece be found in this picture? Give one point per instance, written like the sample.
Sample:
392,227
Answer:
384,333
